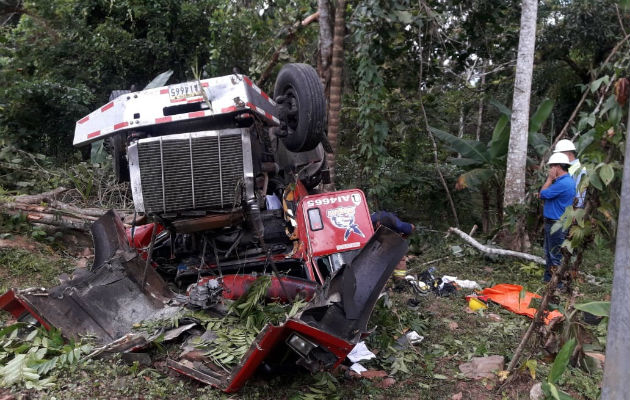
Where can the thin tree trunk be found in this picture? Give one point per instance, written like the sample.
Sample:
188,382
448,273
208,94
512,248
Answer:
335,86
538,318
431,138
325,44
615,384
481,101
517,153
460,133
485,212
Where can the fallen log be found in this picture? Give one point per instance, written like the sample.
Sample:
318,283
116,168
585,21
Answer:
43,208
70,211
58,220
492,250
38,198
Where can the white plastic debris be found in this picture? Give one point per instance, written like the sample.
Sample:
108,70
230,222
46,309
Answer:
464,284
358,368
409,339
360,353
414,338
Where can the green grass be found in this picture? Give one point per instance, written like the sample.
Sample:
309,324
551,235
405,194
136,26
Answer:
24,268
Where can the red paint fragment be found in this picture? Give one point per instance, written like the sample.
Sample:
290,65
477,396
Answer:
84,119
107,106
93,134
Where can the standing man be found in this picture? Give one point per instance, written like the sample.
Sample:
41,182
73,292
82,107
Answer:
558,193
576,170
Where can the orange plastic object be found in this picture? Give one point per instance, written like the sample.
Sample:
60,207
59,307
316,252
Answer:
508,295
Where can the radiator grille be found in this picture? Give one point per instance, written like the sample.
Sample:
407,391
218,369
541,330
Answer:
189,173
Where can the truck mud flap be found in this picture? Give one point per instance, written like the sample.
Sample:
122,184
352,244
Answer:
104,302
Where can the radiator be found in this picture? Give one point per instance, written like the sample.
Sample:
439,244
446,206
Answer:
189,172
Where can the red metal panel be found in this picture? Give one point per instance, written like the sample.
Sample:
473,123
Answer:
235,286
142,235
272,336
13,304
346,222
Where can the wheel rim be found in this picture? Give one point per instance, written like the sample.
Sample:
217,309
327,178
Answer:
293,116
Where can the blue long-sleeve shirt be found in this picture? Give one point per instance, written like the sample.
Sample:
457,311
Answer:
558,196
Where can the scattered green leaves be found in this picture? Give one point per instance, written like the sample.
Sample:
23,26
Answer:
29,354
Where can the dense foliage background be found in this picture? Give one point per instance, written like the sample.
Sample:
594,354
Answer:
60,59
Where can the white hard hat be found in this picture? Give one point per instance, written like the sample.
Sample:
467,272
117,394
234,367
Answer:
564,145
558,158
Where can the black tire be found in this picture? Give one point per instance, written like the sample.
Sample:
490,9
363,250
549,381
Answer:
118,147
299,87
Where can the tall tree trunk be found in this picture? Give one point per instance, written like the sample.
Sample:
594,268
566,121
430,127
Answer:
325,44
481,100
517,152
514,189
460,133
618,346
335,85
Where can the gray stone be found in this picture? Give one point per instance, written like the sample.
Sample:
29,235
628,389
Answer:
482,367
536,392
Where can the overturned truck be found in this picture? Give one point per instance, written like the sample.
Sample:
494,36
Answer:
225,176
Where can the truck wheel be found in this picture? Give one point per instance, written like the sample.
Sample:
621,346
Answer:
118,148
299,91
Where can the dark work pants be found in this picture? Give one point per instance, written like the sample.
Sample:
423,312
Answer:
553,244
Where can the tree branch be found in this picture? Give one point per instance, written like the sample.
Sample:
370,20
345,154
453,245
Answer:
492,250
288,39
569,122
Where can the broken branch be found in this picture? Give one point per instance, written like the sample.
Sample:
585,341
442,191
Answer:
274,58
492,250
38,198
